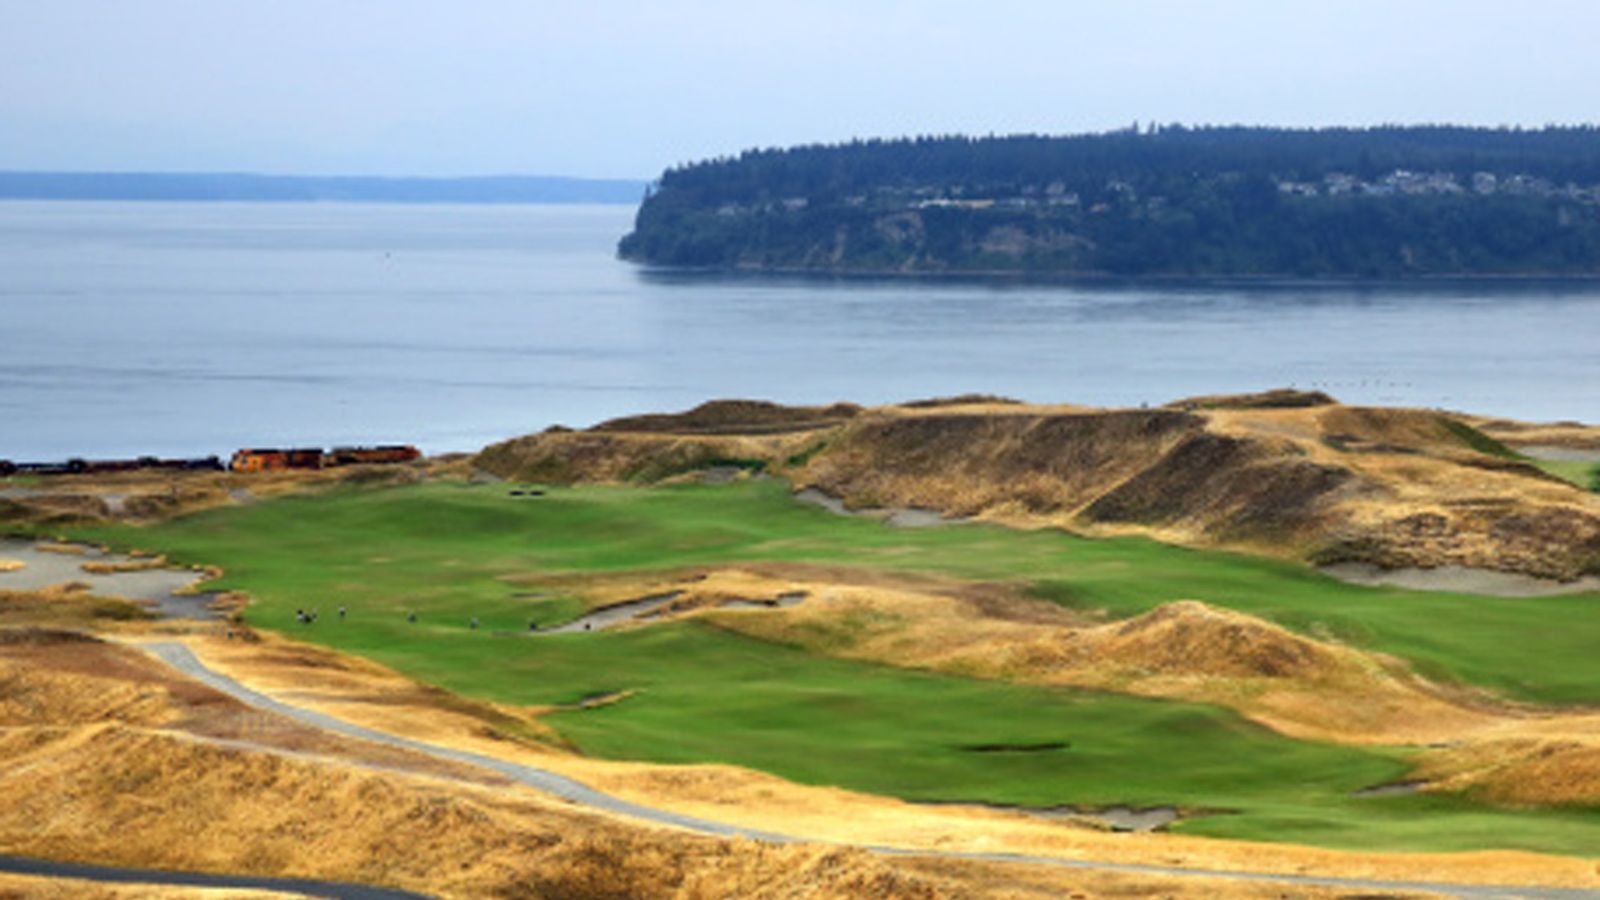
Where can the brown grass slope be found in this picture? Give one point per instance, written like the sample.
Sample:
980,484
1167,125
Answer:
1282,472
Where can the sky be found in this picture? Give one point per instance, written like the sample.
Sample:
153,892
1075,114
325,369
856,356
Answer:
625,88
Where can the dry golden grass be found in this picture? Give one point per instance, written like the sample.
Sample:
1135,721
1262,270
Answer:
67,549
365,692
69,605
151,495
1396,487
107,760
140,564
12,565
561,457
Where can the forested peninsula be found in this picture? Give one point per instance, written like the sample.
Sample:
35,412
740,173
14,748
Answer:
1167,201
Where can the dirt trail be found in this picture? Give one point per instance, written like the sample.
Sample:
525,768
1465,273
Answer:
183,659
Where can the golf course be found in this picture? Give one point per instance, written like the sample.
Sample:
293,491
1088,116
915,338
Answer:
450,582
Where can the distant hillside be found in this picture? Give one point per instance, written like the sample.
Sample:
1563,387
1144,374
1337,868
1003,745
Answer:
289,188
1283,472
1172,201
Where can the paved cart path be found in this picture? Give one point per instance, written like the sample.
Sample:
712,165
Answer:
20,865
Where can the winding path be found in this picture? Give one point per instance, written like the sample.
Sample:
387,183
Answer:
21,865
183,659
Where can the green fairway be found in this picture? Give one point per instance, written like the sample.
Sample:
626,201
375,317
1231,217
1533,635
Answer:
447,551
1583,474
443,548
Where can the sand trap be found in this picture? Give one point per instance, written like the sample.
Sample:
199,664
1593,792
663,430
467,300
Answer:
782,601
655,605
51,564
1460,580
1397,789
1117,818
615,614
729,474
1126,818
1561,454
897,517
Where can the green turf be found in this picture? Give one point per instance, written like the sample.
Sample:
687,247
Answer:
447,549
1583,474
451,552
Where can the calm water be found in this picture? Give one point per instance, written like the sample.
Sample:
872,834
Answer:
199,328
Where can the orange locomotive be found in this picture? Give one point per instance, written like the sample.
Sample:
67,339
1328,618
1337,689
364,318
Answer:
249,460
392,453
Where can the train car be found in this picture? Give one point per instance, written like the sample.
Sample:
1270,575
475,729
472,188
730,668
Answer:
389,453
98,466
185,464
273,460
79,466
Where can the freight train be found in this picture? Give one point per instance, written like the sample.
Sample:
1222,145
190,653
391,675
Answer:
258,460
77,466
247,460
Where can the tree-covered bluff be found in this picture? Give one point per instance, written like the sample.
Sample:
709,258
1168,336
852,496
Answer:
1170,201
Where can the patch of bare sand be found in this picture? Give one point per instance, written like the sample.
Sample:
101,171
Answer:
759,801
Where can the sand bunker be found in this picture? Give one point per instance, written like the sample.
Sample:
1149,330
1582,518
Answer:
1561,454
898,517
145,580
1126,819
661,606
615,614
1460,580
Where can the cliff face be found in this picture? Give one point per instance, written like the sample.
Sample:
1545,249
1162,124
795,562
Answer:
1291,475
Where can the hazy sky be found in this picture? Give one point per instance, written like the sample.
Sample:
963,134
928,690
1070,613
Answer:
627,87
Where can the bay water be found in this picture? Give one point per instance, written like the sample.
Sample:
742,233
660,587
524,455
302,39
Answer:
198,328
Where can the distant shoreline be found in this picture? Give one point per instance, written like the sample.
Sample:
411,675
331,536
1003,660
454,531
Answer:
1106,279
